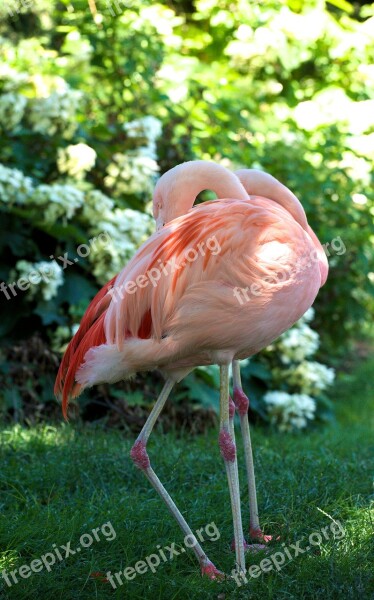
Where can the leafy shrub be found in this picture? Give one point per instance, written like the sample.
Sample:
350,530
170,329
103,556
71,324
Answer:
95,103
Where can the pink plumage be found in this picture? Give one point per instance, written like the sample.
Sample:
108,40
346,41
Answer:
191,315
215,283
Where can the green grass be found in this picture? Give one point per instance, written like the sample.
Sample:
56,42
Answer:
59,483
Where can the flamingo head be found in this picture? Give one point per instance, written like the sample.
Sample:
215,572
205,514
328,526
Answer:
176,190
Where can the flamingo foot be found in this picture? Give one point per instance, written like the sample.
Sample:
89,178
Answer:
246,545
209,570
258,534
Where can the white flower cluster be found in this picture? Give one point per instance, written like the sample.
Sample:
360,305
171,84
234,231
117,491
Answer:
52,278
52,110
97,207
76,160
14,186
56,113
12,110
58,201
127,229
299,342
129,174
290,411
310,377
135,172
149,129
11,79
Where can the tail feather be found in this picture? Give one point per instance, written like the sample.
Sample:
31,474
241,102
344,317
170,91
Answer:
90,332
107,363
95,336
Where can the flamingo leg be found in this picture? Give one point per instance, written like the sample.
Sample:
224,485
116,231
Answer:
140,458
232,433
228,452
241,402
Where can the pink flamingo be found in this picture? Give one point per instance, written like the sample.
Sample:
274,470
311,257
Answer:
182,302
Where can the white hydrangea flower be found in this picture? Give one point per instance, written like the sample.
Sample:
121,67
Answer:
44,85
10,78
56,113
127,229
51,277
131,174
310,377
148,127
298,343
97,206
290,411
76,160
58,200
135,172
12,110
308,316
14,186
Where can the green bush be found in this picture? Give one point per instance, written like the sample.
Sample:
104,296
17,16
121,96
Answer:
97,99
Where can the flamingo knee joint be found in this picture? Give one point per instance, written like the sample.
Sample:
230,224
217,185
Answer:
241,401
227,446
140,456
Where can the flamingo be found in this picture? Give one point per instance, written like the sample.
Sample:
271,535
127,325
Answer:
177,304
258,183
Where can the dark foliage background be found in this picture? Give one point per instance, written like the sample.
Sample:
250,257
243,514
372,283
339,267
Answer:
98,98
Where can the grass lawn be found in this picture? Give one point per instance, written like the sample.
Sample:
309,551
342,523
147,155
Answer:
58,484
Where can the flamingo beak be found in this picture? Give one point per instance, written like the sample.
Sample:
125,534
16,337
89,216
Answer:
159,223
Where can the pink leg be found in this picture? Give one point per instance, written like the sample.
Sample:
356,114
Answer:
241,403
140,458
228,452
232,433
247,547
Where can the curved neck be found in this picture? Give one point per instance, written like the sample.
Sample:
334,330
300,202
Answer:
258,183
176,191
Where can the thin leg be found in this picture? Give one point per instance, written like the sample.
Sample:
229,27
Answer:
241,402
232,433
141,460
228,452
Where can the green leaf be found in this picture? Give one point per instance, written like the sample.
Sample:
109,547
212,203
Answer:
49,313
342,5
76,288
